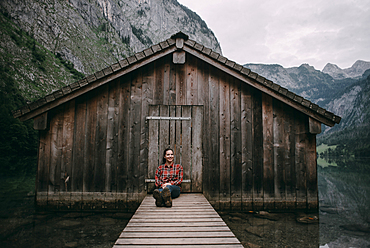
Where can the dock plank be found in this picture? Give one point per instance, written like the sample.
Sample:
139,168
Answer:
190,222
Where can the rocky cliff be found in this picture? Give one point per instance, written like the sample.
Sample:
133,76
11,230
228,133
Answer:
355,71
317,86
353,104
47,44
345,92
304,80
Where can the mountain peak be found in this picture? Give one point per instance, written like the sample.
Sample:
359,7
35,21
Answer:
307,66
355,71
360,64
330,67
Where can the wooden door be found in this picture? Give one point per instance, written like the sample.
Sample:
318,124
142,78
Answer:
179,128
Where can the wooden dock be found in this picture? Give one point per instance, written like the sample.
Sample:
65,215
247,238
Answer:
190,222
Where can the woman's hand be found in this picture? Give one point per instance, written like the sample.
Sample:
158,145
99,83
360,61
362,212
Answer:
165,185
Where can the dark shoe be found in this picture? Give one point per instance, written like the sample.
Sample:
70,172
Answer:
166,194
158,198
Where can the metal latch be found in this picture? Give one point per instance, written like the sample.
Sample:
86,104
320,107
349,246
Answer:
168,118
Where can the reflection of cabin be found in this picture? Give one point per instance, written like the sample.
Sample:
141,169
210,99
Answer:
244,142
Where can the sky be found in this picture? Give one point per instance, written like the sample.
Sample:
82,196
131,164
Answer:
289,32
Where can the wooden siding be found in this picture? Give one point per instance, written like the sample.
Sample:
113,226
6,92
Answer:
257,151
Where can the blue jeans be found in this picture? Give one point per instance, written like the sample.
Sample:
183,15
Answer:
175,190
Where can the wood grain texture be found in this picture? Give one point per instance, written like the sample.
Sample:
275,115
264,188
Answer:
268,152
134,137
197,149
213,134
181,84
235,145
56,143
91,118
257,151
300,161
280,154
123,136
78,160
224,117
289,161
111,163
203,86
41,122
243,149
247,148
186,159
191,81
311,172
198,225
101,140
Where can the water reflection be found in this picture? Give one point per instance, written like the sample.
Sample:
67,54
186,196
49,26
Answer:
274,229
343,219
344,194
344,213
22,226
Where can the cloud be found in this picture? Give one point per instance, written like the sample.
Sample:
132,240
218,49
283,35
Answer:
289,32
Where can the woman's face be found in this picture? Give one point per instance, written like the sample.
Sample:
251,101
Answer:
169,156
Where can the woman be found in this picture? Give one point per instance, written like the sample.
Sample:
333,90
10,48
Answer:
168,178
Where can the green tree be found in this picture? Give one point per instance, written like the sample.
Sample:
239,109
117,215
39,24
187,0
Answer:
18,146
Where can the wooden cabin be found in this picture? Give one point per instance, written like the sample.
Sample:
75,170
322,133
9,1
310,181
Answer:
244,142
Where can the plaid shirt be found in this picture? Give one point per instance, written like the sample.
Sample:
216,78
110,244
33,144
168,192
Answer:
168,174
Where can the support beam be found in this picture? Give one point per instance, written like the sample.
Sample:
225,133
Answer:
314,126
41,122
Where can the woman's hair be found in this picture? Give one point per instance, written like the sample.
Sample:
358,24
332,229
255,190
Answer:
164,154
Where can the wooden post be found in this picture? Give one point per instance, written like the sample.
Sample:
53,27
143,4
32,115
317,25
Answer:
179,57
314,126
41,122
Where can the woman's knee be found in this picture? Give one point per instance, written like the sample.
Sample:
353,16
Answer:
175,191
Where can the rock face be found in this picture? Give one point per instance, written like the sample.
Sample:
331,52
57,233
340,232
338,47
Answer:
304,80
343,92
355,71
352,103
94,34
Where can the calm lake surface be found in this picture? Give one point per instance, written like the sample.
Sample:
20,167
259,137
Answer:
342,221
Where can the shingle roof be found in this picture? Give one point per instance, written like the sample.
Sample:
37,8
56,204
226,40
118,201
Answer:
189,46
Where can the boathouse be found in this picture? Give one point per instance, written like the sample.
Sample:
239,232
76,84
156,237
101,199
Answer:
245,142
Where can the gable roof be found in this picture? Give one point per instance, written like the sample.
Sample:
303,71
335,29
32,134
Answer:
177,42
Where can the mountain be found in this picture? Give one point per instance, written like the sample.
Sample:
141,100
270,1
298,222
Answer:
304,80
353,105
343,92
45,45
355,71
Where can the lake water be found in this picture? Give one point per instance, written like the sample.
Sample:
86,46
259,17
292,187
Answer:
343,219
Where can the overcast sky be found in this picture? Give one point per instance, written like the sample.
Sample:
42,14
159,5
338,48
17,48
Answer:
289,32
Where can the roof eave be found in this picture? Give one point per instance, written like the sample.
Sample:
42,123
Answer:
259,82
95,80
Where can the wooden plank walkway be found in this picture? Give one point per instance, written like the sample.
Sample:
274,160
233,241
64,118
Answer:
190,222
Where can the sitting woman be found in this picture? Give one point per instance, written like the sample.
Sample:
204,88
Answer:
168,178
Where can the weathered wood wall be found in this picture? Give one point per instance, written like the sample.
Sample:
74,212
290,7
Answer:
257,152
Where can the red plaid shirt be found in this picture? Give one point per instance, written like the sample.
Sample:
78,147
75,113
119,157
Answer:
168,174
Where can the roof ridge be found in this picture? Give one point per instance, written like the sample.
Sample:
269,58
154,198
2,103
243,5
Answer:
156,48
